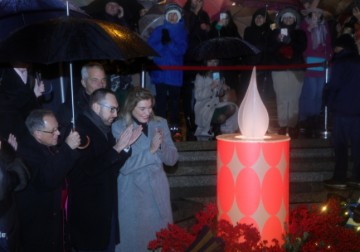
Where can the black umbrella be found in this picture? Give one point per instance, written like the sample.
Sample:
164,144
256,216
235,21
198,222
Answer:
70,39
224,48
15,14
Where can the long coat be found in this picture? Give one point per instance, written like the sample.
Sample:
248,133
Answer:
144,194
92,202
39,204
206,103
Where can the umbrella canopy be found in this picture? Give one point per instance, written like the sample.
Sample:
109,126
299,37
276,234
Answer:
19,13
69,39
153,18
224,48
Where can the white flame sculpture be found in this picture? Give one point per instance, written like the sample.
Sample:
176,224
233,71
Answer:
253,118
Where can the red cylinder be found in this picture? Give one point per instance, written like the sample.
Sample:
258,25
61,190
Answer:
253,182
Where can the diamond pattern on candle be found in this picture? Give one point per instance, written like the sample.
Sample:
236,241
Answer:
257,174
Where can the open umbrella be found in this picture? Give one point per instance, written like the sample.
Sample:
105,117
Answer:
153,18
224,48
70,39
15,14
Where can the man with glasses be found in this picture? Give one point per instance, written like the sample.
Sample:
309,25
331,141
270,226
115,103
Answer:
93,77
92,207
39,205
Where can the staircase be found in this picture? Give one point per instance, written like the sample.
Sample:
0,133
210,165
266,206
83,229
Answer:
193,179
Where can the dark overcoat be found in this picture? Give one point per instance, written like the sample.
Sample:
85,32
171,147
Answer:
39,205
93,189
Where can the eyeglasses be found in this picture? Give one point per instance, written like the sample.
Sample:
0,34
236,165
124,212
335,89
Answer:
50,132
112,109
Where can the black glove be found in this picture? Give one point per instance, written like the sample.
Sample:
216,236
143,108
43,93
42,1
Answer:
165,38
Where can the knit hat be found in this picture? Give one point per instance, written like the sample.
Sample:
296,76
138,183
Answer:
345,41
288,12
173,8
288,15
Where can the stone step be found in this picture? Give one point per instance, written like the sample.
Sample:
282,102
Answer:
186,202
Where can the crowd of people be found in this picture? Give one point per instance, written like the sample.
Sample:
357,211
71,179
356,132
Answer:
99,184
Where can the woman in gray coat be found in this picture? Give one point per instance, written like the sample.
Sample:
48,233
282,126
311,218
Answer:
143,188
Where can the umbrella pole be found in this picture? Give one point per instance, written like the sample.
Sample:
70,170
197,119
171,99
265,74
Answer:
142,77
62,88
325,134
71,80
72,95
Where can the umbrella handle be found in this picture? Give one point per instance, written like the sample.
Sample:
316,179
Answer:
84,146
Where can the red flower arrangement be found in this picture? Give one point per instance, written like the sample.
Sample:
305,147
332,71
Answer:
310,229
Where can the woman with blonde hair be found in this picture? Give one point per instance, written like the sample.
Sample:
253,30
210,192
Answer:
143,188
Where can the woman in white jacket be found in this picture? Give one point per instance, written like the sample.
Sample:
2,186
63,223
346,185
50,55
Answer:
213,113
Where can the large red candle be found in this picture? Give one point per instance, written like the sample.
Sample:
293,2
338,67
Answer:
253,182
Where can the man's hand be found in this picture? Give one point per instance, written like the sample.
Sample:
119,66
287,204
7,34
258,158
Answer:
39,88
12,141
73,140
135,135
127,138
156,141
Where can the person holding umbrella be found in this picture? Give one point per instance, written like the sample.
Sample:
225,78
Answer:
39,204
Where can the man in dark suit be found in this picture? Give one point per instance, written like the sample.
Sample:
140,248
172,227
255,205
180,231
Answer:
39,205
92,205
19,94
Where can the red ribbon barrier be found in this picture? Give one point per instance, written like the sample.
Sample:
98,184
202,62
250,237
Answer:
235,68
